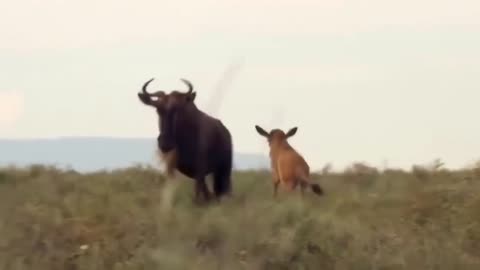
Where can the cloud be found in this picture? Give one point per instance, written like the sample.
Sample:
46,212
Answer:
11,108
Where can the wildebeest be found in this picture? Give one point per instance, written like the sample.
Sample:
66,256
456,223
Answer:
289,168
191,141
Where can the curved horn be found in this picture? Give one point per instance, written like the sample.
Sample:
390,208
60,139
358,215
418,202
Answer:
144,87
189,84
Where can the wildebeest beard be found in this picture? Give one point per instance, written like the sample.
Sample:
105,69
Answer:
166,141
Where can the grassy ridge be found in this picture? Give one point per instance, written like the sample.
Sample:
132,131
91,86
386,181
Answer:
135,219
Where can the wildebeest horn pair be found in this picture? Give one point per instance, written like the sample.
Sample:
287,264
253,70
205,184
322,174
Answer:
192,142
146,96
145,85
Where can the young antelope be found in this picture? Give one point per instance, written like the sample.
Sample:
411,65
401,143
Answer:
289,168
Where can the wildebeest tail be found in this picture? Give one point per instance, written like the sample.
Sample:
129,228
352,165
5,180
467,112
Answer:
222,182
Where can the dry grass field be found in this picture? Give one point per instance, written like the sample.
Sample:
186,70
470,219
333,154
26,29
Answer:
133,218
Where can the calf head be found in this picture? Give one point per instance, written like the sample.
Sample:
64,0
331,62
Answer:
276,136
167,106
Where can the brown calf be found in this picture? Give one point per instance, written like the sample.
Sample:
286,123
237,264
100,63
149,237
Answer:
288,167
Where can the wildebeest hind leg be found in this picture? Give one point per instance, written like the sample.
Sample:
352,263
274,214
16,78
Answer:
222,180
197,192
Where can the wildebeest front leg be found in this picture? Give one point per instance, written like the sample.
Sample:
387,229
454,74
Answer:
201,171
201,189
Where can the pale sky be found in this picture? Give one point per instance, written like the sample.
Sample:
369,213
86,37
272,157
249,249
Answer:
369,80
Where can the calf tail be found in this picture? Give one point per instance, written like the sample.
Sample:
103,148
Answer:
314,187
317,189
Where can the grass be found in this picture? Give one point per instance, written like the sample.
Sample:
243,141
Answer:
135,219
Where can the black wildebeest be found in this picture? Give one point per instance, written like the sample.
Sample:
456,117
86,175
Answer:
191,141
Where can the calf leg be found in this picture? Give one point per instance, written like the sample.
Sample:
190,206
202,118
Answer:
276,183
275,188
291,185
303,186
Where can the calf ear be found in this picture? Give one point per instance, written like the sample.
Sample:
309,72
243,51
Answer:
291,132
261,131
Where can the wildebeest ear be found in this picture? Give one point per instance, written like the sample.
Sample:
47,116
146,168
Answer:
291,132
261,131
145,99
191,97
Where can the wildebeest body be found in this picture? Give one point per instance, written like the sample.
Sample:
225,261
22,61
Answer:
202,145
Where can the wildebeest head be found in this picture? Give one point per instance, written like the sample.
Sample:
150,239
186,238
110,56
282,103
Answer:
276,136
168,106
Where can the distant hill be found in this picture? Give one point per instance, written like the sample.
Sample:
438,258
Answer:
95,153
